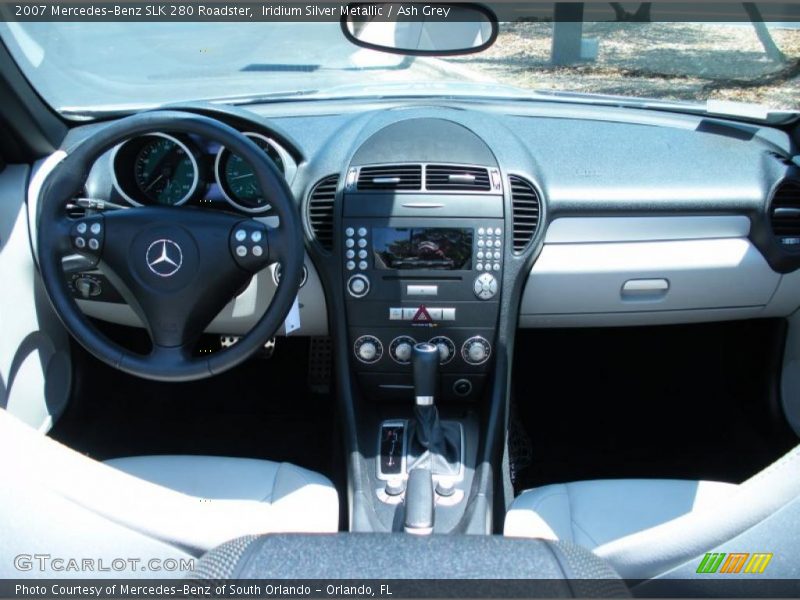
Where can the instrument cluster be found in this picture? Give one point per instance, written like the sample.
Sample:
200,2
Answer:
173,169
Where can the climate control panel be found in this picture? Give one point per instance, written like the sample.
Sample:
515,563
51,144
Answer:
465,351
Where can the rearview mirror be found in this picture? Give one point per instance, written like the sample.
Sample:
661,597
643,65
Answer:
420,29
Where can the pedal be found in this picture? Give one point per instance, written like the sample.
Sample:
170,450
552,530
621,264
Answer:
320,361
269,349
226,341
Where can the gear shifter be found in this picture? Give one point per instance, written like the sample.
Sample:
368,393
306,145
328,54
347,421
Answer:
434,444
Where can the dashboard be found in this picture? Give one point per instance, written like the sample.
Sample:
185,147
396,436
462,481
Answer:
598,215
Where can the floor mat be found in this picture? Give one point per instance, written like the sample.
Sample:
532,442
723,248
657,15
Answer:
695,401
261,409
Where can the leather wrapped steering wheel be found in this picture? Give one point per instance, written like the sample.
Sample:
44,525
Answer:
177,267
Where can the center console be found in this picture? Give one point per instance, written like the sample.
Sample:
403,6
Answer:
418,278
423,245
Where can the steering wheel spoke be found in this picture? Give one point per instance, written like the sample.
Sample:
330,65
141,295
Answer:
85,236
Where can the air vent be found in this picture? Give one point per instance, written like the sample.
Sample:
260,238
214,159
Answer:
320,210
785,214
457,178
526,208
390,177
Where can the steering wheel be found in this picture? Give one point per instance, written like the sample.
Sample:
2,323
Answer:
177,267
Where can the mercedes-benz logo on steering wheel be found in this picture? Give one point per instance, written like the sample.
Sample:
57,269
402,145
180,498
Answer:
164,257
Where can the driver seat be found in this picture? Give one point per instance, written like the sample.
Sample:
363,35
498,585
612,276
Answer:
174,506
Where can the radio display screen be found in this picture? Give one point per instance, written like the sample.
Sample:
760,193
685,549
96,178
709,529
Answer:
443,248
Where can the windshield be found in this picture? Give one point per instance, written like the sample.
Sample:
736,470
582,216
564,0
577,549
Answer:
90,66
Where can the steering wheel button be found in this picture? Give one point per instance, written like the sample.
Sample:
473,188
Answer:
241,235
81,228
80,242
258,251
241,251
95,228
255,237
94,244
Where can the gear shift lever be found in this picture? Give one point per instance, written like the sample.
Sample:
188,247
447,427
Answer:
439,443
425,362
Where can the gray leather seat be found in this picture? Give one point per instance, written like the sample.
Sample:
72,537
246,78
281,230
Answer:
289,498
653,528
592,513
163,506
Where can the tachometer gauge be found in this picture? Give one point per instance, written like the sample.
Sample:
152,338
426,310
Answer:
237,179
165,170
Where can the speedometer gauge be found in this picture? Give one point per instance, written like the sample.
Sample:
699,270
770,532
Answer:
237,179
156,168
165,170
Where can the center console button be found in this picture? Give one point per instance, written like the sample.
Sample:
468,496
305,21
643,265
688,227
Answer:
435,313
349,242
362,243
485,285
349,232
462,387
362,231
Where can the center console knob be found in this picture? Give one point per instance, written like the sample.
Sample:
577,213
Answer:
358,286
368,349
403,352
446,348
476,350
401,348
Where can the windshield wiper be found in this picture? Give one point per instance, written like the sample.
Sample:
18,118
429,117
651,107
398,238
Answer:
245,99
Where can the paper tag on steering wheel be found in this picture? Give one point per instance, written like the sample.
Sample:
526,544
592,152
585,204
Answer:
292,322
